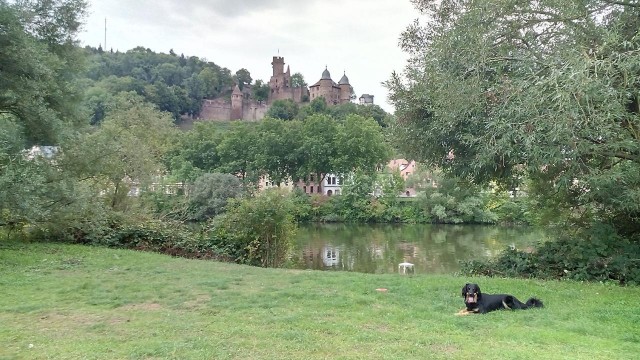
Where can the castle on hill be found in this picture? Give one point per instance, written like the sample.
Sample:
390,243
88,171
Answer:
242,106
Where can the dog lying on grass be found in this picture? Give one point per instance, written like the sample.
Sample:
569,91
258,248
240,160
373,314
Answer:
478,303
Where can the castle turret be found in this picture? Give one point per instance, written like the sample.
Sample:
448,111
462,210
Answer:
236,103
345,89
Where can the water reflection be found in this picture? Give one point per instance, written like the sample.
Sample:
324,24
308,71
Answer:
380,248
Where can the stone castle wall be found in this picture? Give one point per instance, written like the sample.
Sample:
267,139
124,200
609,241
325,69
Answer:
253,111
220,110
216,109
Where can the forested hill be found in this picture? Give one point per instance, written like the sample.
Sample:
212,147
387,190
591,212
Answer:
175,83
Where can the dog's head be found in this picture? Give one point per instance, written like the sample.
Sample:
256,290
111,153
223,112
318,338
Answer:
471,293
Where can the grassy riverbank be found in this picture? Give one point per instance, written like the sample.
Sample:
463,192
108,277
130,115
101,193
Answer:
74,302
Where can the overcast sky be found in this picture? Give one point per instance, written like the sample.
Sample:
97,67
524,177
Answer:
359,37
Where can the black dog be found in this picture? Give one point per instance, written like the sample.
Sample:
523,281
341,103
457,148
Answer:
479,303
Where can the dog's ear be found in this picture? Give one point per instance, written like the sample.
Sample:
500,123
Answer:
464,289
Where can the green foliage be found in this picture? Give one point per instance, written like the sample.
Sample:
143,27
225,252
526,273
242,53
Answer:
279,156
283,109
355,201
456,201
297,80
195,152
599,254
238,150
40,63
242,78
318,146
360,145
302,209
38,106
550,91
391,185
257,231
511,210
260,91
126,150
174,84
316,106
211,193
166,206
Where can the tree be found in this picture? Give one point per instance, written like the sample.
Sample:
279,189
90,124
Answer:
283,109
356,196
243,77
39,62
297,80
319,149
259,230
125,151
195,152
260,91
378,114
279,143
211,193
316,106
360,145
38,106
238,150
548,90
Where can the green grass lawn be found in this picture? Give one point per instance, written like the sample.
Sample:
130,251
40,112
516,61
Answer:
75,302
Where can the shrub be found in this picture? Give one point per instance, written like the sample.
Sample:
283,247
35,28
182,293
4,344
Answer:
598,254
211,193
256,231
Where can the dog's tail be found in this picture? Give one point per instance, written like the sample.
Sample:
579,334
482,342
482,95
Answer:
533,302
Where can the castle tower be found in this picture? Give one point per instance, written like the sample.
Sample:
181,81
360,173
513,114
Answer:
280,82
236,103
278,65
345,89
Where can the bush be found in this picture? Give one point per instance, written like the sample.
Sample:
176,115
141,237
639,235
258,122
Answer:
256,231
598,254
211,193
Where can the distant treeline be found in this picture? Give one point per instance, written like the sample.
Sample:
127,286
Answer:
174,83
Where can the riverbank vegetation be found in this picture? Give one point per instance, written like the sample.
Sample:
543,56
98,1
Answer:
68,301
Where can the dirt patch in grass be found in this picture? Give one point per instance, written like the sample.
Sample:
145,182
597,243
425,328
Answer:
376,327
444,349
54,319
53,322
143,307
198,303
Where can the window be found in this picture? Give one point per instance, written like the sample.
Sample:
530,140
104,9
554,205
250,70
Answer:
311,190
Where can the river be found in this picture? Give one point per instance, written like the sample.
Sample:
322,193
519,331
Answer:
379,249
